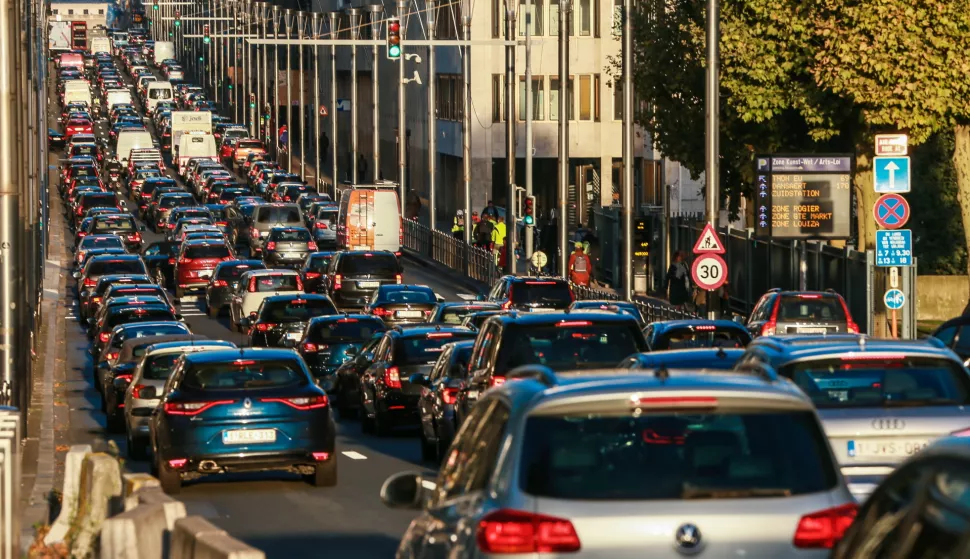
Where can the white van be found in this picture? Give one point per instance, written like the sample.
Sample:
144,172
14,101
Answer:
370,218
100,44
195,146
164,50
132,139
157,92
78,96
118,97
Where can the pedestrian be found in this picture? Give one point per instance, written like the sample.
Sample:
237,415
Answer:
361,169
580,266
475,218
458,226
482,234
498,238
324,146
490,210
413,205
677,283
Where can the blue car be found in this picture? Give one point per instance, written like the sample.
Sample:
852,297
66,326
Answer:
719,359
242,410
330,341
695,333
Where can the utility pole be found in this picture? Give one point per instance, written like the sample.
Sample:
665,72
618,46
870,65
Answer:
257,69
289,93
277,20
264,101
527,230
466,122
432,6
628,201
510,117
354,14
402,108
300,22
376,11
316,30
334,32
565,13
712,122
247,69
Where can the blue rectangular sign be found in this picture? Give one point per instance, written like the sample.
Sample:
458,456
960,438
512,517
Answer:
891,175
894,248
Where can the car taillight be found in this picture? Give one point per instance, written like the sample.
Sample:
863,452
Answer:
310,347
134,237
220,283
104,337
507,305
320,225
171,261
380,311
392,377
823,529
271,245
312,275
496,381
192,408
184,260
508,531
768,328
264,327
111,356
311,246
136,391
126,377
303,403
398,278
337,281
450,396
90,282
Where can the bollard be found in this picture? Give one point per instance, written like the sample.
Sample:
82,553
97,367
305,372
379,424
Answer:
132,486
223,546
72,479
186,532
100,483
136,534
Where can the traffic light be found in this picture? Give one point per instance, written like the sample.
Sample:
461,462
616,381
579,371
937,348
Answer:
205,34
529,214
252,100
178,18
154,4
393,38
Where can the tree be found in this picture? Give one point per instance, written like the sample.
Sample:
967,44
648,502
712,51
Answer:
936,213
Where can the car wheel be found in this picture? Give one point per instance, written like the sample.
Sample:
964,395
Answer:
138,448
179,293
213,312
116,421
382,425
170,481
325,473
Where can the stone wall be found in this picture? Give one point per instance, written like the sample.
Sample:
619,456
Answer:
941,297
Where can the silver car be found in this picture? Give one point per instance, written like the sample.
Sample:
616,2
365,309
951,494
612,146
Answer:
881,401
148,379
623,464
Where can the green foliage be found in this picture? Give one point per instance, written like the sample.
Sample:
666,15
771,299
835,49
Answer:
936,224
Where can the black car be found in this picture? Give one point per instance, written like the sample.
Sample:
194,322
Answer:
287,246
90,298
455,312
355,275
108,264
695,333
391,386
348,377
436,405
313,270
160,259
478,318
283,318
225,280
402,304
529,294
330,341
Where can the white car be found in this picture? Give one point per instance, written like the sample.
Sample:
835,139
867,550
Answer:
256,285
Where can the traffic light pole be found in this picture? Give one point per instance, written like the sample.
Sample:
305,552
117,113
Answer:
277,18
375,26
316,30
334,29
402,110
510,150
432,122
300,22
354,14
289,92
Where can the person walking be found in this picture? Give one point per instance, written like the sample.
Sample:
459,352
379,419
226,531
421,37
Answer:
677,283
580,266
482,234
490,210
458,226
498,239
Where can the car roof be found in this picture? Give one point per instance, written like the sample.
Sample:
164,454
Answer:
291,296
671,357
151,324
563,317
345,316
160,348
274,272
185,339
255,353
204,242
485,306
424,329
816,347
534,279
694,322
404,287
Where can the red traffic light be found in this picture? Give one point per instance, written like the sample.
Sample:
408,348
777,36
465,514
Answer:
394,26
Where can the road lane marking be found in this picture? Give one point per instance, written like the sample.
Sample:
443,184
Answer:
467,296
354,455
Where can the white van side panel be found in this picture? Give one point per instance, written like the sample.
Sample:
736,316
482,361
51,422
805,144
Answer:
118,97
196,145
132,139
163,51
77,96
387,228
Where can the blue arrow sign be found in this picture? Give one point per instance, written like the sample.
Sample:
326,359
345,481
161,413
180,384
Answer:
891,174
894,299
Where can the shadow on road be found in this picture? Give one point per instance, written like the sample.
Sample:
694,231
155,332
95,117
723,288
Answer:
330,545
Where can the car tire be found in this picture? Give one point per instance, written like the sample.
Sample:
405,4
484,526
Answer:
115,422
366,421
179,293
137,448
170,481
213,312
325,473
382,425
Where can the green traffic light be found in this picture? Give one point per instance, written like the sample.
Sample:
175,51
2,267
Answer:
230,87
528,220
170,34
178,23
200,59
155,7
394,51
252,105
205,40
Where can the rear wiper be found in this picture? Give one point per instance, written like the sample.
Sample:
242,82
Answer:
919,403
725,493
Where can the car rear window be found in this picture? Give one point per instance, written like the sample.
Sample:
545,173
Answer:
175,201
230,195
371,264
456,314
141,332
139,314
243,374
319,263
168,249
99,201
327,216
115,266
346,330
159,367
673,456
619,306
101,242
871,381
422,350
568,345
542,293
114,224
810,308
281,282
297,310
278,215
236,270
402,296
207,251
291,235
700,336
248,145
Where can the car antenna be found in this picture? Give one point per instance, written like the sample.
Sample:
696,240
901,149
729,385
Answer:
662,373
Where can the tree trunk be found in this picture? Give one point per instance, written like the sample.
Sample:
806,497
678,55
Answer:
865,199
961,164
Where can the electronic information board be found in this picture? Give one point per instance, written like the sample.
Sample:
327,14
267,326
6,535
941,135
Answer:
803,196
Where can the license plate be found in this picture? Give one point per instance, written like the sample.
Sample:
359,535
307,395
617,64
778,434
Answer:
368,284
294,335
249,436
543,310
409,314
362,247
206,275
812,330
884,448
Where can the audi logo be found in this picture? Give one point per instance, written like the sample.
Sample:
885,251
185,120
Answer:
888,424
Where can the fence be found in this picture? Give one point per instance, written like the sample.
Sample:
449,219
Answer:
652,312
9,483
441,247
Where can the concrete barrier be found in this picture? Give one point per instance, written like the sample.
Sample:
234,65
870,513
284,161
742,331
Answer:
100,485
135,534
72,479
187,532
132,484
222,546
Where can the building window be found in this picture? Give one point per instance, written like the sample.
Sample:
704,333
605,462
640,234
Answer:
596,97
554,98
585,97
70,12
554,19
100,12
85,12
54,12
450,101
497,98
458,94
498,18
617,100
448,21
537,98
535,14
584,13
617,19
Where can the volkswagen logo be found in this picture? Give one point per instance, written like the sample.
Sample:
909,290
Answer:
247,403
688,537
888,424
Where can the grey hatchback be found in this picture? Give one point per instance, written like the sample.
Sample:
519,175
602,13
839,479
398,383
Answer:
619,464
287,247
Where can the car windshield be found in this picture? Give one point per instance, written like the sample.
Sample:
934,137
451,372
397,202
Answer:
278,215
159,367
874,381
674,456
114,224
541,292
402,296
810,308
115,266
233,272
369,264
112,241
296,310
243,374
568,345
280,282
291,235
346,330
689,337
422,350
327,216
144,331
207,251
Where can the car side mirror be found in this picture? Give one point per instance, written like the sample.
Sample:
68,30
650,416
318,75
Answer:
480,297
405,490
76,275
420,380
244,322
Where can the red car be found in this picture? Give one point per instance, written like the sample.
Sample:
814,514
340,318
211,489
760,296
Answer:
227,149
195,262
77,126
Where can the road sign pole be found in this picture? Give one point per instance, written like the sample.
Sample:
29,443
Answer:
892,326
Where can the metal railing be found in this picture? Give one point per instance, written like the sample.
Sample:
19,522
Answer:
10,437
651,312
472,261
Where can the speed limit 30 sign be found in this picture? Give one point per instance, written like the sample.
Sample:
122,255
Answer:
709,271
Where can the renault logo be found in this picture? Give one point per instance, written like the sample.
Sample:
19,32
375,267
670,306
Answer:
247,403
688,537
888,424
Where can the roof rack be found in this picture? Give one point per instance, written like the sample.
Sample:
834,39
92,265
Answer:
541,373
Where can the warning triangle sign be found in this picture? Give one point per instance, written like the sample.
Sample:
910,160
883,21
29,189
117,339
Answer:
709,242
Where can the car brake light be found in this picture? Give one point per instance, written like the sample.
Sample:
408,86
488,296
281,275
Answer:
134,237
90,282
310,347
271,245
311,246
312,275
450,396
303,403
823,529
192,408
568,323
320,225
136,391
432,335
320,456
768,328
264,327
496,381
507,531
104,337
177,463
185,260
112,355
392,377
381,311
705,328
220,283
337,281
397,278
808,296
126,377
675,402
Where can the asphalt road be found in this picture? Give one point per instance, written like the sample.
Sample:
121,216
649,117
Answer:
278,513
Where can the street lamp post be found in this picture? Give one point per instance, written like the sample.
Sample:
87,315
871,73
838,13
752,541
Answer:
334,33
402,123
289,92
300,22
264,97
376,10
466,121
432,122
316,32
565,13
354,14
277,21
510,117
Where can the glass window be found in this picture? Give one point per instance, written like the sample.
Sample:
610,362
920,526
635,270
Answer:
671,455
290,235
554,99
474,455
421,350
375,264
498,18
159,367
571,347
274,282
296,310
244,374
554,19
962,346
617,18
584,13
811,307
596,97
617,100
417,297
947,335
458,91
346,330
207,251
497,114
537,98
585,97
701,336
